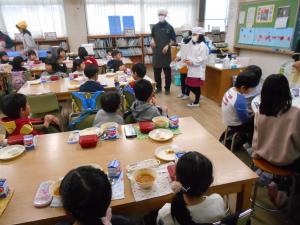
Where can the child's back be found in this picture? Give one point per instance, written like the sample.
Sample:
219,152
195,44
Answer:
110,102
91,85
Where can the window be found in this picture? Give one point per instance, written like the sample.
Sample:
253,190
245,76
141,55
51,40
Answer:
181,12
40,15
216,14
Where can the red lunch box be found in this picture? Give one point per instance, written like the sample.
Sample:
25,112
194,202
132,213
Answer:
54,78
88,141
15,140
146,127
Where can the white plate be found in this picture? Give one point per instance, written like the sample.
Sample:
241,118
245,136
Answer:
105,126
33,82
90,131
73,86
161,135
11,152
164,153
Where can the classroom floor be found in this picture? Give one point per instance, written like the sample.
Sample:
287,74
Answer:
209,116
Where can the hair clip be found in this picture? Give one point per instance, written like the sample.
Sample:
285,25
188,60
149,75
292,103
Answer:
185,189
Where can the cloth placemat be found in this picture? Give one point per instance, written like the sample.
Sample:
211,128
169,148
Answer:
4,201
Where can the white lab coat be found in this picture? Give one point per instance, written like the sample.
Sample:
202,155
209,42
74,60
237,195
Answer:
198,55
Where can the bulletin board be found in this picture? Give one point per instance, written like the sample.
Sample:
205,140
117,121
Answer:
268,25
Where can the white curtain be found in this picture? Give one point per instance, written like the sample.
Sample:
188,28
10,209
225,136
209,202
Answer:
40,15
181,12
216,14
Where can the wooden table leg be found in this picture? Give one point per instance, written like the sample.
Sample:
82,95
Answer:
243,197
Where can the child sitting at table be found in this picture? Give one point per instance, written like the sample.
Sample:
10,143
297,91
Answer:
78,66
61,57
194,175
86,196
31,56
17,110
4,58
234,105
51,67
84,55
143,108
116,63
91,85
17,64
138,72
110,103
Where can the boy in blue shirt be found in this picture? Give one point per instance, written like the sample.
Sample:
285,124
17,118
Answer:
91,85
235,111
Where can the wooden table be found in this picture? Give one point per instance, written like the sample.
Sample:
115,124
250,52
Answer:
218,81
60,87
53,158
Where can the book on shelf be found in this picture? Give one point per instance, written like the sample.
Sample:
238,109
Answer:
148,50
102,43
147,59
128,42
131,52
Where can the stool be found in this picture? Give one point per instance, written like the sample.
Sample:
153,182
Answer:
235,134
276,171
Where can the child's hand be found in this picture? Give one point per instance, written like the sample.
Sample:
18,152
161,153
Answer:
50,119
165,49
188,62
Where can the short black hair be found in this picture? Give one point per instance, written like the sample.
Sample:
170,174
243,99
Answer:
76,64
17,63
143,90
110,101
3,53
247,79
91,70
115,52
256,71
59,50
31,52
275,95
12,104
140,69
51,60
82,53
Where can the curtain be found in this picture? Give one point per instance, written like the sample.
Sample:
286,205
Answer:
216,14
40,15
181,12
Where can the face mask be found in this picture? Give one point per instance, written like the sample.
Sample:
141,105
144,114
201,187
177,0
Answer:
161,18
195,38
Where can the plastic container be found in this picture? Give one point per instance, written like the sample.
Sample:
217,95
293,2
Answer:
177,80
88,141
146,127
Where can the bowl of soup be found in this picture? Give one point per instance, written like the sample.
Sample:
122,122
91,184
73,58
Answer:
145,177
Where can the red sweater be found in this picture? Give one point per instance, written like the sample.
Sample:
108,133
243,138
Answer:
20,126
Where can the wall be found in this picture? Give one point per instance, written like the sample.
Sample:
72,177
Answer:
75,23
269,62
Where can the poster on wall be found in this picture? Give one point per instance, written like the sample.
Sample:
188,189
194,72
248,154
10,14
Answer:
242,16
246,36
250,17
282,17
265,14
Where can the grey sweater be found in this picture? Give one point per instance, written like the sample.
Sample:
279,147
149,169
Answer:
144,111
104,117
29,43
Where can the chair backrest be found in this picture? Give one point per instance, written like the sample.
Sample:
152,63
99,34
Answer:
243,218
128,118
129,96
83,101
86,122
45,103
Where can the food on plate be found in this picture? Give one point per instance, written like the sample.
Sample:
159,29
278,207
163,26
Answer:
169,151
144,178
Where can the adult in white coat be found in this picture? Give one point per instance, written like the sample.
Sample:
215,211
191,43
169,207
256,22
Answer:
195,59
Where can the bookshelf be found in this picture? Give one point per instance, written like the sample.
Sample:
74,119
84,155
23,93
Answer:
44,44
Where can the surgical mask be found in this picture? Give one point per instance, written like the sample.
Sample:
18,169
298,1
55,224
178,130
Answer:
161,19
195,38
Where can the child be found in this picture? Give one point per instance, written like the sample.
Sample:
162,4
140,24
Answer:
84,55
4,58
17,110
78,66
196,63
234,104
116,63
17,64
138,72
143,108
110,102
277,125
91,85
61,57
194,175
31,56
86,195
51,67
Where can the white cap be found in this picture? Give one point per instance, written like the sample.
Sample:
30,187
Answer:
198,30
162,12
